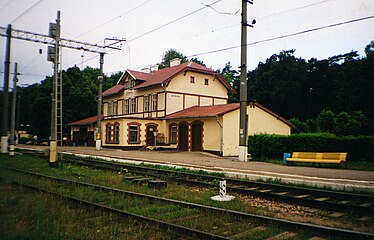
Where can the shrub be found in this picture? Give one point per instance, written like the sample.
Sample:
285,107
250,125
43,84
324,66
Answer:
266,146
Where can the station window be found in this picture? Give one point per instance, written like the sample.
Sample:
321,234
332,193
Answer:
115,108
112,133
206,81
126,106
133,134
173,134
146,103
154,102
110,108
133,105
192,79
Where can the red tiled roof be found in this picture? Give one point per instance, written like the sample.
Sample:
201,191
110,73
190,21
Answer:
114,90
85,121
217,110
205,111
166,74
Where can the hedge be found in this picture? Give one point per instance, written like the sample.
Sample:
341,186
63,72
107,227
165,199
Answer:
266,146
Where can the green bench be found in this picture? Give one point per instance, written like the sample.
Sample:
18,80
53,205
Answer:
317,157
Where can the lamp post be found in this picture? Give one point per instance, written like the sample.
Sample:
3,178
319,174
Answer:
99,113
100,78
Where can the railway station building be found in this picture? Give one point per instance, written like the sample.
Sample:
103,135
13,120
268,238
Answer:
183,107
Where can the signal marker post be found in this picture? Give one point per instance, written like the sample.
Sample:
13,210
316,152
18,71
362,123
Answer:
13,113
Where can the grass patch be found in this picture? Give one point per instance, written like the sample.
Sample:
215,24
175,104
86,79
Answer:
34,215
122,201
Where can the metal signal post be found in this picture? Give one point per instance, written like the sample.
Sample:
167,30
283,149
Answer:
54,30
55,41
243,125
4,122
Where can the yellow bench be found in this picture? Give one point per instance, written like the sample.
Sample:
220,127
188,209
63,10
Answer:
318,157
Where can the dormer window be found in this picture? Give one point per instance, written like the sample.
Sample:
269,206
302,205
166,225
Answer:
132,83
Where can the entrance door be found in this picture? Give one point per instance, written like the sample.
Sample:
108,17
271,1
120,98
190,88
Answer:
151,129
197,130
183,137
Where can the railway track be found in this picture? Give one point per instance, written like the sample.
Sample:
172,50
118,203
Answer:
358,204
186,219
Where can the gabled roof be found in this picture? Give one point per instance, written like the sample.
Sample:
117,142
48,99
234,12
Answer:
218,110
165,75
85,121
114,90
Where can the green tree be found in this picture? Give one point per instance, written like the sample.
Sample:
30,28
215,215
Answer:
232,77
369,49
80,89
280,84
326,121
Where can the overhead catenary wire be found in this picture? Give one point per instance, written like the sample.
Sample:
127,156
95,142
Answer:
231,26
112,19
157,28
26,11
276,38
295,9
5,4
173,21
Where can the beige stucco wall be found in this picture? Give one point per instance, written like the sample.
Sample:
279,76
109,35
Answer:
181,83
259,121
220,101
191,101
174,102
231,133
204,101
263,122
211,136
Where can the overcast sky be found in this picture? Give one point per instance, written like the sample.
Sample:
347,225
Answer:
213,27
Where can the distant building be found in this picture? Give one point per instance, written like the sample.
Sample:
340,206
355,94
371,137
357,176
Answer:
82,131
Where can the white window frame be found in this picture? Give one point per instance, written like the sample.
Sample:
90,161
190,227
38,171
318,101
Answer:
133,105
126,106
154,102
146,103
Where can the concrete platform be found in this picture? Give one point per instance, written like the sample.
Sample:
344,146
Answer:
339,179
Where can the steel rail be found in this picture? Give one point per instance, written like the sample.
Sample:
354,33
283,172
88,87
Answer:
245,188
178,228
290,224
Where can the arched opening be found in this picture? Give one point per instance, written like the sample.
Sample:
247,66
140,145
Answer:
183,137
197,137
